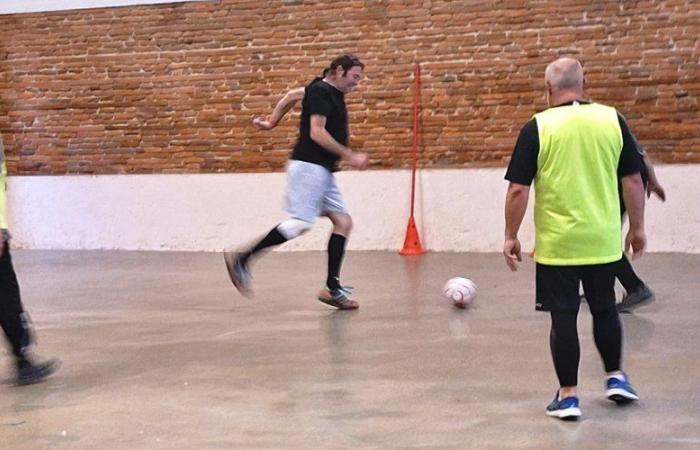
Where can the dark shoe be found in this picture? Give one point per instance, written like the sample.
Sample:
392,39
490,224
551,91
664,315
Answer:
30,373
240,277
564,409
338,298
633,300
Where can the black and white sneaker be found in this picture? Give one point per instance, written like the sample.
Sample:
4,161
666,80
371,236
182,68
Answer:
238,273
30,373
338,297
633,300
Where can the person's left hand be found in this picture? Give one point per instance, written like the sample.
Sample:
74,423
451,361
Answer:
657,189
512,253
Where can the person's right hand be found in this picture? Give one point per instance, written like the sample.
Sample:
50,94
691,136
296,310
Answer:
263,123
637,241
359,160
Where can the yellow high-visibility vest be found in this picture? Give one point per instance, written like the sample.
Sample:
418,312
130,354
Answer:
577,210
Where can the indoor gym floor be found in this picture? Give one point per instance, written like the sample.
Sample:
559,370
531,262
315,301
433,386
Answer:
160,352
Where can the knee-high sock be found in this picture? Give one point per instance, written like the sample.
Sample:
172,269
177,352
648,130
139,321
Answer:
274,237
336,252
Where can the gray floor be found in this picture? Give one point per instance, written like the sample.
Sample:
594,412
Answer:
159,352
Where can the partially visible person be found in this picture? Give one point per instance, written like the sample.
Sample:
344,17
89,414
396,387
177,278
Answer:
637,292
14,320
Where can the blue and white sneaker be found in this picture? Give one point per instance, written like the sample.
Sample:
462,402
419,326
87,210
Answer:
564,409
620,390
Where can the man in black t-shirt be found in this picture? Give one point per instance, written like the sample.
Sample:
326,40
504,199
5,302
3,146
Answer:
312,190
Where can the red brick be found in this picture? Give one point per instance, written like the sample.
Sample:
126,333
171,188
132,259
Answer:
172,88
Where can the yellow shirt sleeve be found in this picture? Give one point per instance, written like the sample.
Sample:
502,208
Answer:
3,197
3,188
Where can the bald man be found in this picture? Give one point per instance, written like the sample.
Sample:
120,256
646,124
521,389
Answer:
575,151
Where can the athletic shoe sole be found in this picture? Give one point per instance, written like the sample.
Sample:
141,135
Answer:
565,414
346,304
620,395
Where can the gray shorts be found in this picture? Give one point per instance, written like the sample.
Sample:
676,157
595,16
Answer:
311,192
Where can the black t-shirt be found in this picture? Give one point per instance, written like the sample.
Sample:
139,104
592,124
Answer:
523,162
323,99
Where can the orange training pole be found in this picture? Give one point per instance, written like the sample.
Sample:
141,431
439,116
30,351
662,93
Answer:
412,245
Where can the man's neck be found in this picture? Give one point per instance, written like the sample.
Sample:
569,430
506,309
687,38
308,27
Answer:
566,97
331,82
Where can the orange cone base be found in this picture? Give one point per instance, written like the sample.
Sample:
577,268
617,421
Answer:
411,245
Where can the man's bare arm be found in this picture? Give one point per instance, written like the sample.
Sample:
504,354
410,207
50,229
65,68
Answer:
283,106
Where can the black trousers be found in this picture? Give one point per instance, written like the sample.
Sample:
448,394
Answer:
12,316
558,292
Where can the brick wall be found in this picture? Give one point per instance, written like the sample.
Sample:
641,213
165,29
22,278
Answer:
171,88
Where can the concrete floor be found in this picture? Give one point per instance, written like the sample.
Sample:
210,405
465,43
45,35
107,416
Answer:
160,352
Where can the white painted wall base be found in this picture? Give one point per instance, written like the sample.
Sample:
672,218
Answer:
456,210
27,6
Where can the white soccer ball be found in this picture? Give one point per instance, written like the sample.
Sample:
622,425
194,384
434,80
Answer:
461,291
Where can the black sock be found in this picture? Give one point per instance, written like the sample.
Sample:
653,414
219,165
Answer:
625,273
274,237
336,251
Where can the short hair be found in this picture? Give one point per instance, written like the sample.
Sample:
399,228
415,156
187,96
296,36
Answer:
564,74
347,62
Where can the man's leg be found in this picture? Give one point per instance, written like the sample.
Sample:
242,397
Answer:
627,276
15,324
237,265
334,208
285,231
566,352
637,292
557,292
304,198
342,225
599,286
607,333
11,311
